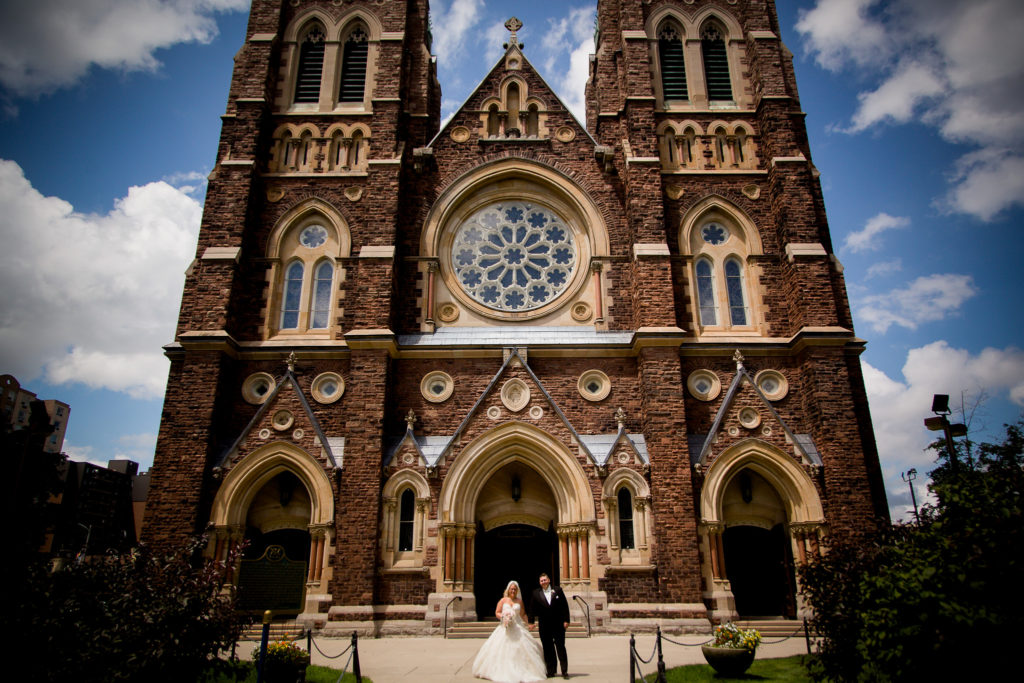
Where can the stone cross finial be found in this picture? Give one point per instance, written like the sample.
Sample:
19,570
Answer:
410,419
291,362
738,357
620,416
513,25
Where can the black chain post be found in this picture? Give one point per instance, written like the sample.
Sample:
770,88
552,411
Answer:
355,658
264,641
632,659
661,661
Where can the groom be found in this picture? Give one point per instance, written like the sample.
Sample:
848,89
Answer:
551,610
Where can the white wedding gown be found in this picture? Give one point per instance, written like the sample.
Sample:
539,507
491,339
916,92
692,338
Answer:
511,654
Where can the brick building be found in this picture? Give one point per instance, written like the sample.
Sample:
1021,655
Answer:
418,361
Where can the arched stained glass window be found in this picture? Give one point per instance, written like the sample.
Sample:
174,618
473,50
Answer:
627,539
292,299
353,66
406,520
320,307
672,62
311,65
734,288
706,293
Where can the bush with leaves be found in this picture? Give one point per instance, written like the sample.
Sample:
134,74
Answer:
915,601
139,616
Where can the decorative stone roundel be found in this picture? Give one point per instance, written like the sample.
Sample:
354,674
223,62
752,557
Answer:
328,387
580,311
514,256
704,385
515,394
448,312
594,385
459,134
714,233
772,384
282,420
750,418
436,386
257,387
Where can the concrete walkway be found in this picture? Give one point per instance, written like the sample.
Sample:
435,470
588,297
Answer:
601,659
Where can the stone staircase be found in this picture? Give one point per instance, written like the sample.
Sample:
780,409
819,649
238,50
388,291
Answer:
482,629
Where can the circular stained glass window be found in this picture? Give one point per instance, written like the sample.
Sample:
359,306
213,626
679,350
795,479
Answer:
313,236
514,256
714,233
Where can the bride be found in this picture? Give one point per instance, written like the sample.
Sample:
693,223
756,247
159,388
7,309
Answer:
510,654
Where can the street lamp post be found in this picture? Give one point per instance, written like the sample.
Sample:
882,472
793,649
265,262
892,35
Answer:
940,406
909,476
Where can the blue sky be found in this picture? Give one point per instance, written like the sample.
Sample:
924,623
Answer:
109,118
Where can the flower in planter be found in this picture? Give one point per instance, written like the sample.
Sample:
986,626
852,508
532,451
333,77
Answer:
729,635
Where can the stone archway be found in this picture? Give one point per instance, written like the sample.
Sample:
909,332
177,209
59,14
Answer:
759,511
515,534
476,497
279,499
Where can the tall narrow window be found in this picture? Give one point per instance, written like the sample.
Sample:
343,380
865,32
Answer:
716,64
673,64
292,299
321,305
706,293
311,65
734,288
406,520
353,66
626,537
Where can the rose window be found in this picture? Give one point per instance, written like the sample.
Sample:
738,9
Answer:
514,256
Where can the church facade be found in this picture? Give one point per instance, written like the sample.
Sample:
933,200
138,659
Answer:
414,361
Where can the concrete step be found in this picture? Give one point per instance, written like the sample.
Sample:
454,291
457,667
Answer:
283,630
774,628
483,629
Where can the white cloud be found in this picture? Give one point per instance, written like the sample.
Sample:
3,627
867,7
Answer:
451,25
864,239
838,31
47,44
955,65
926,299
92,298
899,406
575,31
81,454
899,98
883,268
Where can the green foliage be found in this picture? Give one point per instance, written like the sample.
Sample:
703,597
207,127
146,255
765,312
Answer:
245,672
913,602
137,616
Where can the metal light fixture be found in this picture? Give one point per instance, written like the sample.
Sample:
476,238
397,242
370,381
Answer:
940,406
517,488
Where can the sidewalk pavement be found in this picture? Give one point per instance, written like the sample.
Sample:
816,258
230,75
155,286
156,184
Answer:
600,659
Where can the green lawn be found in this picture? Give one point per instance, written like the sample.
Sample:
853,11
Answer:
314,674
788,669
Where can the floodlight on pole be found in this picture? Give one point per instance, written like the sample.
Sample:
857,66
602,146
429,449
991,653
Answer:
940,406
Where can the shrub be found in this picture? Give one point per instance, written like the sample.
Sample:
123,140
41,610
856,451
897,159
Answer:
140,615
913,602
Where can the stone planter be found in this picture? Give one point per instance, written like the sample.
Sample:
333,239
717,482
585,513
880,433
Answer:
728,661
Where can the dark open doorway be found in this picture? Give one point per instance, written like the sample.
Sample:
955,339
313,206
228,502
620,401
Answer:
516,552
760,570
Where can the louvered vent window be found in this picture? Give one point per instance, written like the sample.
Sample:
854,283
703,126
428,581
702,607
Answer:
716,65
353,67
673,66
311,66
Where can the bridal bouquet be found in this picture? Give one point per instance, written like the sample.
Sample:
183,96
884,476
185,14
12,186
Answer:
506,619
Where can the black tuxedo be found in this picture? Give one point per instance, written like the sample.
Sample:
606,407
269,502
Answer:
551,619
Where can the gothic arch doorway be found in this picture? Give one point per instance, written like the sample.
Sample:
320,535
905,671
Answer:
477,498
758,560
279,499
760,515
516,517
